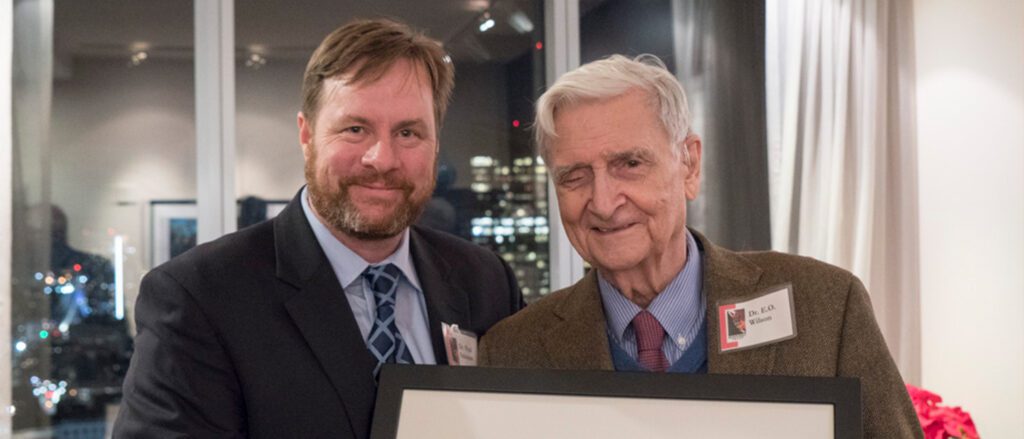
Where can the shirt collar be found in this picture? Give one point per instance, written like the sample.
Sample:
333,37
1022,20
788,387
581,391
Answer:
678,307
346,263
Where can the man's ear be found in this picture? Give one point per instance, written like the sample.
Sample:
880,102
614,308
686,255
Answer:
305,134
691,182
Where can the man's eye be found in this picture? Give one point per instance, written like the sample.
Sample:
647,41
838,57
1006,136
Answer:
355,130
406,133
629,163
571,179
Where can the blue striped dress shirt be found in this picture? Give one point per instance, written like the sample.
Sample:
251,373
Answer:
410,305
679,308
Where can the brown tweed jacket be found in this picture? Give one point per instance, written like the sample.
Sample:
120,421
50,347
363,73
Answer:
836,332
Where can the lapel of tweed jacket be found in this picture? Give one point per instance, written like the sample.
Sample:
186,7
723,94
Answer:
728,276
578,339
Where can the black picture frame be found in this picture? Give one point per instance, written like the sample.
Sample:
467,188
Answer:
843,394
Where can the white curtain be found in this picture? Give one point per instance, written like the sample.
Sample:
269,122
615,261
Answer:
842,156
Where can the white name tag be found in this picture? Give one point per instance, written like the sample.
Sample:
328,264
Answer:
767,318
459,345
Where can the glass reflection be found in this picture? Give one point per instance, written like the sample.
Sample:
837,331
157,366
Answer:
104,123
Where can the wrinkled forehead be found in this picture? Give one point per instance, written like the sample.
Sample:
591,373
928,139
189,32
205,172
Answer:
635,100
627,113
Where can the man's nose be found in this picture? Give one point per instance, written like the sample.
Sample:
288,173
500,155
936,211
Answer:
606,196
381,156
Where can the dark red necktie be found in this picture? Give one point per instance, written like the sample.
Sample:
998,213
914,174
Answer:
649,337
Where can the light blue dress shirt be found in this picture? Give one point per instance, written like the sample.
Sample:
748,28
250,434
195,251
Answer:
679,308
410,305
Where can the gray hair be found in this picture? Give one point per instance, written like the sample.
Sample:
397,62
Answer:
609,78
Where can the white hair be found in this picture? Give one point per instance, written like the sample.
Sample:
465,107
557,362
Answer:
612,77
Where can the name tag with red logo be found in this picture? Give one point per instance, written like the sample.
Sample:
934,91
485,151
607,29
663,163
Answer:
459,345
768,317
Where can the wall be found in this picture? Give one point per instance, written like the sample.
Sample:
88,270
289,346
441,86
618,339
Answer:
970,73
269,156
121,137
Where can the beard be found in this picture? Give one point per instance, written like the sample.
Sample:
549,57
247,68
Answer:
335,205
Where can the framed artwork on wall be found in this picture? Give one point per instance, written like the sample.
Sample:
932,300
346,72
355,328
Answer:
173,228
174,225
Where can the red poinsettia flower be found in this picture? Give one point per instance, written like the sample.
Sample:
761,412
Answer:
939,421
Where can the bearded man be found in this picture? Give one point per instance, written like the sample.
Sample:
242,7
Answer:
280,329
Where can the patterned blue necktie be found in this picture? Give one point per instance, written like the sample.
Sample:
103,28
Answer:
385,342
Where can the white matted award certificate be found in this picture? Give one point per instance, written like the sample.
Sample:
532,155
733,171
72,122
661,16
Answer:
485,403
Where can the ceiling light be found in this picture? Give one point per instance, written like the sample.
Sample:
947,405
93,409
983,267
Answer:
486,22
520,22
138,58
487,25
255,61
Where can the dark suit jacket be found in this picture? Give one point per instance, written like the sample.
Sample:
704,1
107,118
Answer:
251,335
836,332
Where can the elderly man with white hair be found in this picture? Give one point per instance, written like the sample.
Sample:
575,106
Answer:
616,137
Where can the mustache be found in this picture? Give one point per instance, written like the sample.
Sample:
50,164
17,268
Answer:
391,180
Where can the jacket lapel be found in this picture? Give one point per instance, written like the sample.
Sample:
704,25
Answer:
729,277
319,309
446,302
579,340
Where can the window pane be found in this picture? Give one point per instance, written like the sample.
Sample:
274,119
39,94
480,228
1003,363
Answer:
491,189
104,135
